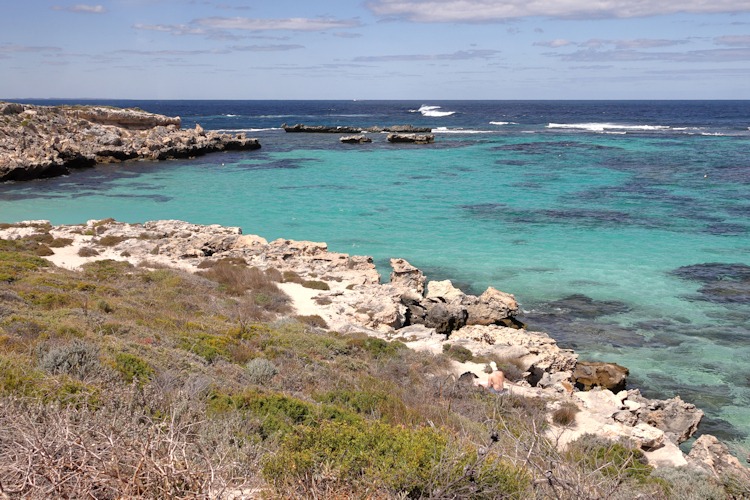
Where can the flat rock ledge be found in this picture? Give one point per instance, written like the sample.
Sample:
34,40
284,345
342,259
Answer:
47,141
425,315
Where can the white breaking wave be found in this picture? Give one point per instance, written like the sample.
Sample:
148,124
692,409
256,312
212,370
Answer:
606,127
446,130
241,130
432,111
503,123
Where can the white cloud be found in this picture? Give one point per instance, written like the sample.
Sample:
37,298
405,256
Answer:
82,8
11,49
290,24
560,42
477,11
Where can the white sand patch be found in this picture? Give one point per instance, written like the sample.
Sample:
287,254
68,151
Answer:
302,299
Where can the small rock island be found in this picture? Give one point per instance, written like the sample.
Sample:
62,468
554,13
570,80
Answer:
47,141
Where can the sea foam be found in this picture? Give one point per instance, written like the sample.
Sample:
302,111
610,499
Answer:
606,127
432,111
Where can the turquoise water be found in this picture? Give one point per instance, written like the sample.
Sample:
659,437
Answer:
585,228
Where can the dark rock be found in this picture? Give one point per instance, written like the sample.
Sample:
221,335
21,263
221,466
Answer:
445,318
320,129
590,374
411,138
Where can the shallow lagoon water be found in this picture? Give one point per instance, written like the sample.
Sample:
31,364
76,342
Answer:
585,224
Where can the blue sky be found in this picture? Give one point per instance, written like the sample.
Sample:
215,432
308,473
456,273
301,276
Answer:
376,49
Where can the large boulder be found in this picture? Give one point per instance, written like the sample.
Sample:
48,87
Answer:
492,307
589,374
407,277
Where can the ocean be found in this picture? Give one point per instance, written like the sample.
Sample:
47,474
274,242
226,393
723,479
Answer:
622,227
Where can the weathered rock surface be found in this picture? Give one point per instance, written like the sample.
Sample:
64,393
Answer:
713,455
46,141
679,420
411,138
355,139
589,374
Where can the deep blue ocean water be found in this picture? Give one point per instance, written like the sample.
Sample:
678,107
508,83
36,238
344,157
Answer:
623,228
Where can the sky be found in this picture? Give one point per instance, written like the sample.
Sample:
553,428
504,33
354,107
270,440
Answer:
375,49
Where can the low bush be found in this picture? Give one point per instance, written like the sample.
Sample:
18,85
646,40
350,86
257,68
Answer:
60,242
565,415
79,359
610,458
260,371
689,483
375,347
315,285
111,240
132,367
87,252
457,352
14,265
314,321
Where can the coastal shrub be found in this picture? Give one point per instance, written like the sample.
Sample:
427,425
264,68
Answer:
375,347
610,458
312,320
209,346
315,285
690,483
111,240
365,456
87,252
375,403
43,251
291,277
565,415
513,368
14,265
107,269
260,371
457,352
79,359
132,367
60,242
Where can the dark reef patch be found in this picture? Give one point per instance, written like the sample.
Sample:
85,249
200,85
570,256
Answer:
722,283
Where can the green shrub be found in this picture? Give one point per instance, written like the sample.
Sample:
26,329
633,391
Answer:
206,345
374,403
377,348
457,352
610,458
14,265
111,240
291,277
315,285
132,367
107,269
60,242
43,251
260,371
363,456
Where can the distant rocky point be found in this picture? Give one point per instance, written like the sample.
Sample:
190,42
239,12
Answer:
338,129
47,141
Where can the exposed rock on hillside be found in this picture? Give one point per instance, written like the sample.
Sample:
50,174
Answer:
47,141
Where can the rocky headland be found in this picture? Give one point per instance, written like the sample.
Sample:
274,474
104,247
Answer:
47,141
432,316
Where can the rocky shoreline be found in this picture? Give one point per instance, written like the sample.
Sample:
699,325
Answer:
48,141
426,315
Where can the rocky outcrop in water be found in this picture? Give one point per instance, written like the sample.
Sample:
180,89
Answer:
47,141
355,139
341,129
411,138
